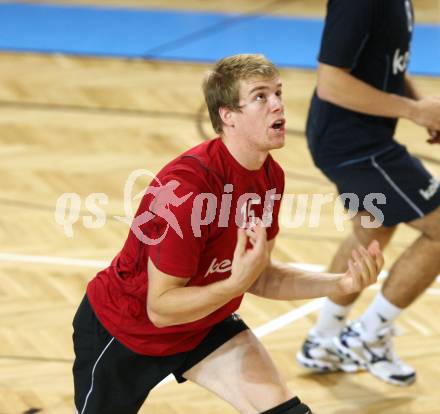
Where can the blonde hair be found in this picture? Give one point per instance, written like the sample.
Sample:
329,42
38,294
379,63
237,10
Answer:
222,84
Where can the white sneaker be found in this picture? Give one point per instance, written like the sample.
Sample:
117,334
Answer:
319,354
377,356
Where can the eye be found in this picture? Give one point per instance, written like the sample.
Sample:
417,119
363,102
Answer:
279,93
260,97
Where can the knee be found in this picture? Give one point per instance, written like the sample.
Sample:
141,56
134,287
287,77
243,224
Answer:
429,225
432,235
432,230
382,234
365,233
293,406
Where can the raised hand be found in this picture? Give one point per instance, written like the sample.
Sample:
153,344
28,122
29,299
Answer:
426,112
248,264
363,269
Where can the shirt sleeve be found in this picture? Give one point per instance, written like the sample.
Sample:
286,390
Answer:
346,31
174,246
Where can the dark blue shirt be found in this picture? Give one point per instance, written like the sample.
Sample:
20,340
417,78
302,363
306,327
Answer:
372,39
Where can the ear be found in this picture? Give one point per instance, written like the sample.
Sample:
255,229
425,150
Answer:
227,116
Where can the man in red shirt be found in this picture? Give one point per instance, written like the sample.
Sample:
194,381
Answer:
201,238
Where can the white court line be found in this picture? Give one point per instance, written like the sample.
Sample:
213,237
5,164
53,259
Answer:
288,317
319,268
276,324
261,331
68,261
99,264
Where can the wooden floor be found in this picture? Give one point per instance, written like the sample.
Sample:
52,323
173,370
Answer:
82,125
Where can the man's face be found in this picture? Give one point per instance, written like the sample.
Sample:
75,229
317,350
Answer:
261,120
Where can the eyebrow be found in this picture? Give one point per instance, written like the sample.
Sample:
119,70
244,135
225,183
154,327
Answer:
259,88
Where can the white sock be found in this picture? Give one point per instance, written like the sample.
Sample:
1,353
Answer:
331,319
379,314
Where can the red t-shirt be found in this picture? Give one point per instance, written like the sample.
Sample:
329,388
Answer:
187,225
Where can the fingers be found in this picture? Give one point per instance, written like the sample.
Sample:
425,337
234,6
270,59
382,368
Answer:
374,250
433,140
257,236
355,276
365,264
260,236
374,247
252,235
380,261
370,276
240,247
434,136
363,269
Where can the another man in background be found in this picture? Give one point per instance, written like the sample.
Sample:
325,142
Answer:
363,89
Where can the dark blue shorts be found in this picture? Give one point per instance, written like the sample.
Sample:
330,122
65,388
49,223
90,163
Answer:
393,185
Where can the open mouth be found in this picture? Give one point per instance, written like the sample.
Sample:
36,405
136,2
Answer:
278,125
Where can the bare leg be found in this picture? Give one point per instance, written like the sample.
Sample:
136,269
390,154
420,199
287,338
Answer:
369,342
317,352
360,235
242,373
418,266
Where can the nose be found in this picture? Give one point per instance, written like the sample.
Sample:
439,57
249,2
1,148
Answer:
277,104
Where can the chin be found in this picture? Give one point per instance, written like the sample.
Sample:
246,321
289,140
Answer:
271,143
277,143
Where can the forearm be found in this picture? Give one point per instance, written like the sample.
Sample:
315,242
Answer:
187,304
337,86
285,282
411,90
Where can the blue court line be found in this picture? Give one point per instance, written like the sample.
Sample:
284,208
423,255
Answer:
180,35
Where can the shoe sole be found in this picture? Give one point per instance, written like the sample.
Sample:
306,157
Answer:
312,365
406,383
348,353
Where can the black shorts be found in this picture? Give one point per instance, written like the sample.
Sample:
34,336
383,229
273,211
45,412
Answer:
111,379
392,182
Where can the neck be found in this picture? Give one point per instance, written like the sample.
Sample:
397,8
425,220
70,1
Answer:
249,157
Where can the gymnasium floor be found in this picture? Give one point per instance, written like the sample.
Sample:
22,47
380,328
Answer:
71,123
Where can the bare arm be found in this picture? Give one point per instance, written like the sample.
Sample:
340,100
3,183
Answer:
285,282
411,90
171,302
338,86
